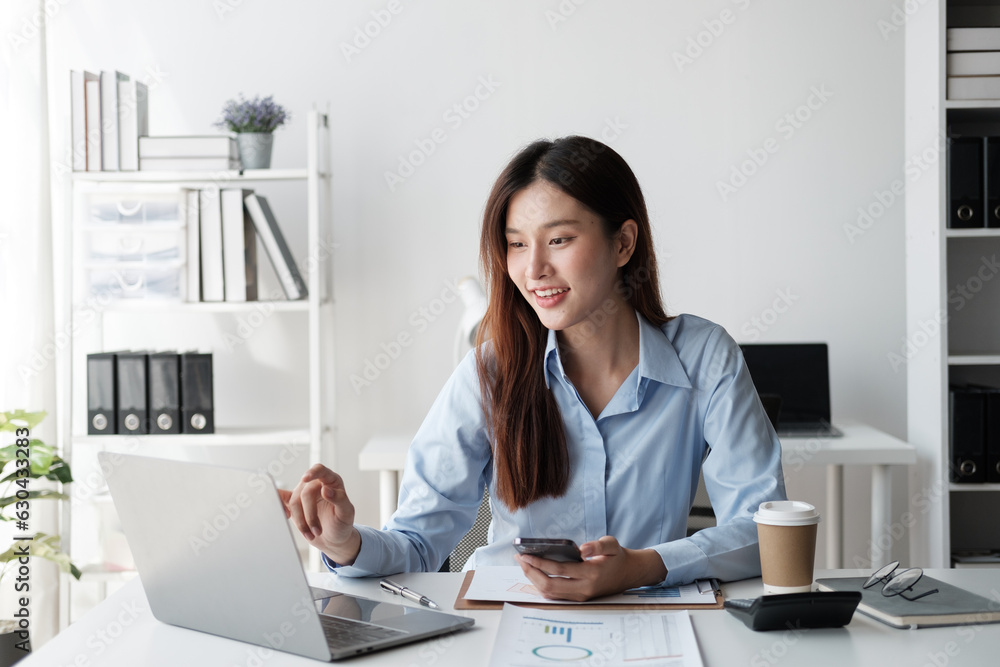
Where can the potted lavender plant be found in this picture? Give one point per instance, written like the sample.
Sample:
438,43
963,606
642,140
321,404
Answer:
253,121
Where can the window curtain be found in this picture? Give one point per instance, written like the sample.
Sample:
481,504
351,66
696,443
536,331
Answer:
26,282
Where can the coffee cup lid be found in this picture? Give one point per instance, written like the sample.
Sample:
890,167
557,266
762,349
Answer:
786,513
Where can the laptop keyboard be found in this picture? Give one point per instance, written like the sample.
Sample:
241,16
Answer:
345,633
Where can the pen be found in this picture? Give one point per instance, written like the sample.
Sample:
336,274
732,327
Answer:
708,585
407,593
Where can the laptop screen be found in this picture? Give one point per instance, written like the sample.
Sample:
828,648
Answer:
798,373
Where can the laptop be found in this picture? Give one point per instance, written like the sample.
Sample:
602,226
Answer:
215,553
793,381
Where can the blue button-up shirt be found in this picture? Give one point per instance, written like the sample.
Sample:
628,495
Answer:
688,405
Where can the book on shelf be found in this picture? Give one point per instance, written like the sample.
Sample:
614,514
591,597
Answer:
78,116
215,145
197,393
973,39
973,87
951,605
190,214
239,247
277,250
133,122
92,102
210,224
164,395
131,392
974,63
188,163
967,434
102,416
109,119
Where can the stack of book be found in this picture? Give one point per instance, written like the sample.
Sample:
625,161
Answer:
110,131
110,112
973,63
213,152
222,231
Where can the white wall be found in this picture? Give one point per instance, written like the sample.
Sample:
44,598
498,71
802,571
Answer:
608,64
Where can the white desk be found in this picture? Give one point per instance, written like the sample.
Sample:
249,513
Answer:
121,632
860,445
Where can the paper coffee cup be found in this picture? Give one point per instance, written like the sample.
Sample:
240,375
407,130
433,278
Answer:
786,530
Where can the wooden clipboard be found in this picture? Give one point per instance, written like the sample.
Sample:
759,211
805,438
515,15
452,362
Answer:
462,603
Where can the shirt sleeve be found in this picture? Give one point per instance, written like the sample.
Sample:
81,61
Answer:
742,470
447,466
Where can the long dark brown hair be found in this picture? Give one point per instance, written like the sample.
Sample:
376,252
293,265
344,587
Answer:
530,457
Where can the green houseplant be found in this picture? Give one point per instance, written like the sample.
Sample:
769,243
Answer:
17,496
253,121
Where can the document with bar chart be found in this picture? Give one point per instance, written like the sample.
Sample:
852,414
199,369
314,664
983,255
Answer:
531,637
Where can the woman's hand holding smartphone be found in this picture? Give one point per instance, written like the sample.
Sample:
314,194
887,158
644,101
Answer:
563,551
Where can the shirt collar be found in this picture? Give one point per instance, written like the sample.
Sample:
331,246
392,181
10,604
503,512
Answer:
658,359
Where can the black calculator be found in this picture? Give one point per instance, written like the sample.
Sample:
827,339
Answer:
796,610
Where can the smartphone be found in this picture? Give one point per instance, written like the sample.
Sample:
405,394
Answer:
558,550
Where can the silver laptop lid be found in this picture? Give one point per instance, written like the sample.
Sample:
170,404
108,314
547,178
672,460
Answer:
214,551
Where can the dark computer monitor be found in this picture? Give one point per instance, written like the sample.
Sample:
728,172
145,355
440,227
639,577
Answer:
797,373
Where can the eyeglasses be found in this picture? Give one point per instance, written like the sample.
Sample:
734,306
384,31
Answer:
897,583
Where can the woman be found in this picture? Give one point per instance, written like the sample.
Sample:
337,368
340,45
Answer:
585,411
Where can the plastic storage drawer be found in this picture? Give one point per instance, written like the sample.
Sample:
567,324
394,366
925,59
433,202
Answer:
151,281
147,243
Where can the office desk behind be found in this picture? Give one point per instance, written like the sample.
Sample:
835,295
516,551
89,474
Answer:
860,445
121,632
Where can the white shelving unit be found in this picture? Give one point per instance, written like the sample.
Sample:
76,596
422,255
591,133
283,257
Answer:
965,346
293,362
